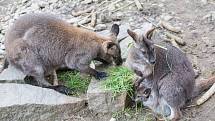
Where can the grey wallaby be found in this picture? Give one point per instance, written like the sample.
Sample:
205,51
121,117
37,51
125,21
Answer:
171,81
39,44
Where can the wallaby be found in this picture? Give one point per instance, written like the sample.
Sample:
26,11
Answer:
38,44
172,79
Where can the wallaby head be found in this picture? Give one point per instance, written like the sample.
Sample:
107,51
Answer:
141,56
143,89
111,47
144,43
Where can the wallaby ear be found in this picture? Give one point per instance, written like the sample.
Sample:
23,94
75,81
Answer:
114,32
133,35
107,45
149,33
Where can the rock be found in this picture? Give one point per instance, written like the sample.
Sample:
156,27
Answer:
2,52
100,27
105,16
204,1
166,17
122,32
12,75
124,45
31,103
118,16
42,4
73,20
1,38
101,101
2,47
52,1
210,16
87,1
112,119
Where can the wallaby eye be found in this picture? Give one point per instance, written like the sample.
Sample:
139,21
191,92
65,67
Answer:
143,51
147,92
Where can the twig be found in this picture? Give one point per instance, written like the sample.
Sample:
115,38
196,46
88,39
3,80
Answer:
206,96
177,39
172,41
75,14
86,27
122,7
190,106
169,27
93,19
138,4
151,22
85,20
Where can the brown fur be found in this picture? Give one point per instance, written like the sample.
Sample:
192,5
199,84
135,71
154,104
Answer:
37,44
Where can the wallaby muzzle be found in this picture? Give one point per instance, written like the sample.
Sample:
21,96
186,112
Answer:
118,61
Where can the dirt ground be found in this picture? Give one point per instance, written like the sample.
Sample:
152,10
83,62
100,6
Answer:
197,22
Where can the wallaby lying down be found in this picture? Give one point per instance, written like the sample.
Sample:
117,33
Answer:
38,44
172,80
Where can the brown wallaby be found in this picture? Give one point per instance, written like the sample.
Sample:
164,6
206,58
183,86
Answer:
172,79
38,44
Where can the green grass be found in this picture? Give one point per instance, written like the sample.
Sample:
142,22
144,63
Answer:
119,80
74,81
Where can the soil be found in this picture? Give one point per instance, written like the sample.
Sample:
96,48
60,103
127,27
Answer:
197,22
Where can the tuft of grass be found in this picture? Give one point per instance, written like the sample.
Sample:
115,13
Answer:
119,80
74,81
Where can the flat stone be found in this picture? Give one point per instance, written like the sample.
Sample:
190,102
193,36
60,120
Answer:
32,103
122,32
125,45
101,101
12,75
100,27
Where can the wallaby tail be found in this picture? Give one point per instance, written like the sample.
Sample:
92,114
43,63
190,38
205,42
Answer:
5,64
202,85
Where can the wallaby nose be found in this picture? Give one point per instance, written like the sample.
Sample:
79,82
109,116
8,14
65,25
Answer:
119,61
152,61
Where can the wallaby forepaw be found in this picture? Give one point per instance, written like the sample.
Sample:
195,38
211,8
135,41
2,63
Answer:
61,88
101,75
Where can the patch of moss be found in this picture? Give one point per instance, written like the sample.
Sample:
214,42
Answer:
119,80
74,81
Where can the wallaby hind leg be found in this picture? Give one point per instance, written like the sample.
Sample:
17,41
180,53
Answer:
55,80
38,73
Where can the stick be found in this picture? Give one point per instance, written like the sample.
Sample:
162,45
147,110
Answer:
86,27
75,14
169,27
172,41
85,20
151,22
123,7
93,19
177,39
138,4
206,96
